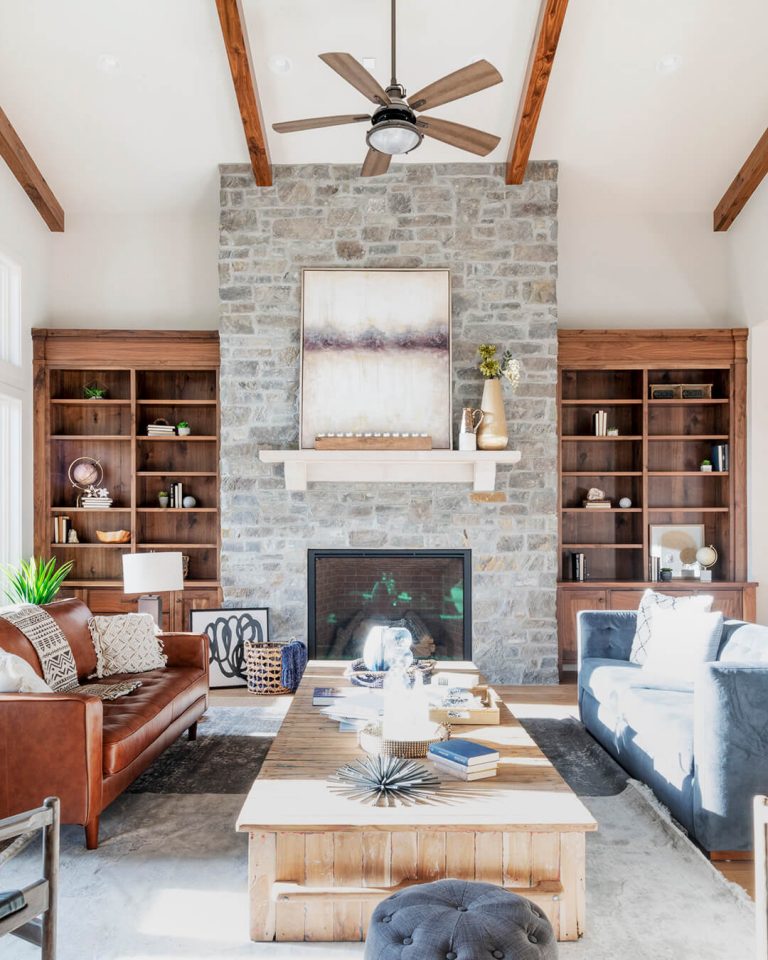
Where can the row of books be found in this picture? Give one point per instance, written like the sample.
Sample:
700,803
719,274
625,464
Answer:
600,423
579,566
61,527
464,759
720,456
176,495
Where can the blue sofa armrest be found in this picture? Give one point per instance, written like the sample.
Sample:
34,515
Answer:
730,734
605,634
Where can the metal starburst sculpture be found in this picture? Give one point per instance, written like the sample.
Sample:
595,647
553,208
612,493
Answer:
385,782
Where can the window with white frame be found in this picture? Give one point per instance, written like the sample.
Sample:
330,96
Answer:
11,413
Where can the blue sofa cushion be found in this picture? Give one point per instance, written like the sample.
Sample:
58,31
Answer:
607,680
743,643
662,721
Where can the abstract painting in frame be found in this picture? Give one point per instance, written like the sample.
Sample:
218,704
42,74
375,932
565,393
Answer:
227,630
675,544
376,353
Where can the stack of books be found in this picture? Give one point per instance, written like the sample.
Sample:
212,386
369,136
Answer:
600,423
464,759
95,503
161,430
720,457
604,504
176,492
61,528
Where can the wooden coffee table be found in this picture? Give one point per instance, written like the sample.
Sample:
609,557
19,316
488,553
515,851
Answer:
319,863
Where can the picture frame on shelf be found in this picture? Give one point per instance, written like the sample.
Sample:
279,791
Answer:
676,544
227,630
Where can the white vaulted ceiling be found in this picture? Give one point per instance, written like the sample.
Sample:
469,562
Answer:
148,135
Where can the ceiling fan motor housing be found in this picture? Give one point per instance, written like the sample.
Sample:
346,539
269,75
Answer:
394,129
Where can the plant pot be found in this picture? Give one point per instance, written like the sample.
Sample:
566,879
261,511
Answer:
665,576
163,501
184,431
492,432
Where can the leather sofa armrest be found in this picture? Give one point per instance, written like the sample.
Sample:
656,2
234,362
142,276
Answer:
606,634
186,650
51,745
730,733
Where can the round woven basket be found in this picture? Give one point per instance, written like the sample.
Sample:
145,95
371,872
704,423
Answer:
372,741
264,668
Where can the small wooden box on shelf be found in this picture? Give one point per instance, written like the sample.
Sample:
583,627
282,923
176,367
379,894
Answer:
143,376
672,395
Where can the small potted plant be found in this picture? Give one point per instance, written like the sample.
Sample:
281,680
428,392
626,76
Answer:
183,429
705,466
163,499
665,574
94,391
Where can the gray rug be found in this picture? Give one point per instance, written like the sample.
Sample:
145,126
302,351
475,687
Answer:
169,878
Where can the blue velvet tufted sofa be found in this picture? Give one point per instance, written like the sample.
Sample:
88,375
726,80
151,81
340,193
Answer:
703,750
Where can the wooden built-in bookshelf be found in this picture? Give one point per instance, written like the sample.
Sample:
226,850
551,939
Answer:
654,461
173,375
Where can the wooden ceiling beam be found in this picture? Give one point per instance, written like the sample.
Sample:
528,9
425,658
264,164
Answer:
747,180
24,168
540,61
239,55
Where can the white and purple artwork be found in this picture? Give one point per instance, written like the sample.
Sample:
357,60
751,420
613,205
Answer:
376,353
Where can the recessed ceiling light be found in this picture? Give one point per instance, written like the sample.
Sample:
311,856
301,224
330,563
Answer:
669,63
108,63
278,64
369,63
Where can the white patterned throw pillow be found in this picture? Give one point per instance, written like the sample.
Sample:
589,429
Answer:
650,603
127,643
681,640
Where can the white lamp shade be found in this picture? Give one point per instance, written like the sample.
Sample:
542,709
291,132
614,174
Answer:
152,572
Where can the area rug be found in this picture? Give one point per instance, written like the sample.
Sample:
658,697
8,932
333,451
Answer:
168,880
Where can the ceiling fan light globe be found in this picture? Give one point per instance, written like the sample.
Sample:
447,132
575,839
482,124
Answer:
394,137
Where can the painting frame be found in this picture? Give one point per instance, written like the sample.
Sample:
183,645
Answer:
442,433
228,670
673,543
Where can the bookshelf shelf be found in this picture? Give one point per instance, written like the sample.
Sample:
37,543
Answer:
654,461
173,375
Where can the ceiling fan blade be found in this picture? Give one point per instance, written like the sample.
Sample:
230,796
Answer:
355,73
460,83
292,125
465,138
375,163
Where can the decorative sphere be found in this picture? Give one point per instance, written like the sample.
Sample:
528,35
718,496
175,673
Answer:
625,503
706,556
189,502
86,474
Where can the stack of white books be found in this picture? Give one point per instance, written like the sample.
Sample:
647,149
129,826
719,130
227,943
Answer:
161,430
96,503
464,759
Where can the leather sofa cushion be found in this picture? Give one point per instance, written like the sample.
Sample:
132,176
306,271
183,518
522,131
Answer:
134,722
72,616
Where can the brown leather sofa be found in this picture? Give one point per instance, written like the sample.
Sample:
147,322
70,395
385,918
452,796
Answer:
84,750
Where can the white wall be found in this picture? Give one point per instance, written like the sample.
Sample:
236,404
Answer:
748,255
137,271
25,239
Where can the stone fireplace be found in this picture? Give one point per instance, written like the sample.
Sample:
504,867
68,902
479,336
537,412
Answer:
427,591
500,245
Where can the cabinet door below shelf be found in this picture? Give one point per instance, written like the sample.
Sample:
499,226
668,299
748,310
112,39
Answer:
729,602
569,603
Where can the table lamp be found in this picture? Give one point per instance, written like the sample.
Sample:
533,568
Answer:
151,574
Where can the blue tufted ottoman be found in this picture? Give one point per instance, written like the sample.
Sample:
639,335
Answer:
459,920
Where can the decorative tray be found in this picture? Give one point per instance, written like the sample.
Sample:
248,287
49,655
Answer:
488,715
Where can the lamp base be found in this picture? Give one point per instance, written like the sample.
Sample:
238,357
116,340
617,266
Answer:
153,605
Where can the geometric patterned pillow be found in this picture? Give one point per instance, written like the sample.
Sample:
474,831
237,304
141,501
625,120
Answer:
126,643
652,601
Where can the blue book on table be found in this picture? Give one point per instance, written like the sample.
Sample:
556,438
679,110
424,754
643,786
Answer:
465,752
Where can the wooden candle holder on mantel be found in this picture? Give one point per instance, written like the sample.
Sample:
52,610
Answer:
373,441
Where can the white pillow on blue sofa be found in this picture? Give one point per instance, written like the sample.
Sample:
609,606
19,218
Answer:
649,604
681,640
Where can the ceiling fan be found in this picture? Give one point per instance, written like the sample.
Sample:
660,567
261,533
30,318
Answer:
395,126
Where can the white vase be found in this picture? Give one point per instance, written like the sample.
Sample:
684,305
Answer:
492,432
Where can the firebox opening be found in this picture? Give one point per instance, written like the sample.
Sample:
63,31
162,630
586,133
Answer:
427,591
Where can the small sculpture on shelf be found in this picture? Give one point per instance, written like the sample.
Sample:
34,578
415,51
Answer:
706,557
72,536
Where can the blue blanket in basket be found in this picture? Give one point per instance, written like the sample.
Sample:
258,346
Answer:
294,661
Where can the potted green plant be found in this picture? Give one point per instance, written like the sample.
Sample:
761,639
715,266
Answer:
163,499
35,581
94,391
492,432
665,574
183,429
706,466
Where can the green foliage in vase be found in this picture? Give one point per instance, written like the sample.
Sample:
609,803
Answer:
492,369
183,424
92,392
35,581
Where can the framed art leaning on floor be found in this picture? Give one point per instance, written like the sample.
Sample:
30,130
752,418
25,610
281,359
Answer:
227,630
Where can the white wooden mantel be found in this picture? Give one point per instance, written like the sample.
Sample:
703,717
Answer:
390,466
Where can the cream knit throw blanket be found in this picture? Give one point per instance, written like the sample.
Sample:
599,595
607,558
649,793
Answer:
55,653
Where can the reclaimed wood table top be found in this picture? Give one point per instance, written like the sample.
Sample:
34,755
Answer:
291,791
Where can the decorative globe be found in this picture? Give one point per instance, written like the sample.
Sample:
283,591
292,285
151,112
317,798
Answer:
706,556
86,474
